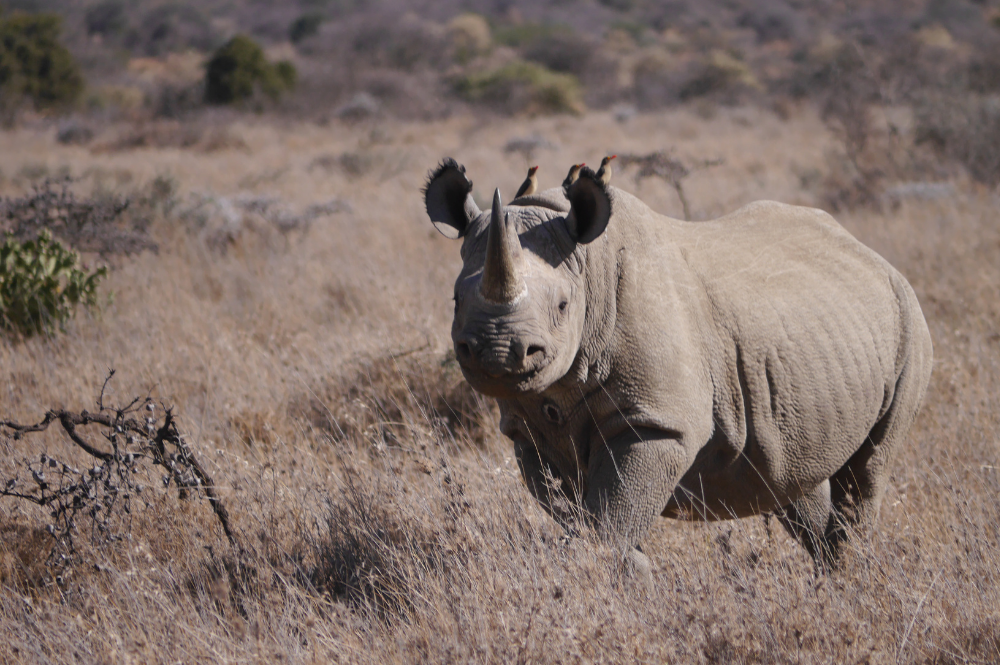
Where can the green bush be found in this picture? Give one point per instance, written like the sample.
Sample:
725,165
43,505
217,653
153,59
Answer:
34,64
520,35
523,87
41,285
239,69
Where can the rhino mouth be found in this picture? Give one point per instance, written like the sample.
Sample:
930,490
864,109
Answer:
505,382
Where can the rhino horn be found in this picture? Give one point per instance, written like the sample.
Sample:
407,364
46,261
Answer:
502,281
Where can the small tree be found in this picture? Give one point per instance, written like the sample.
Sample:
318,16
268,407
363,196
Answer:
34,64
239,68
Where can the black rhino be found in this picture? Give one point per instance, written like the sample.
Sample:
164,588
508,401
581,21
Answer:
763,361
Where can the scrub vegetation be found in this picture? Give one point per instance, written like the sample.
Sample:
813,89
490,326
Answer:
282,309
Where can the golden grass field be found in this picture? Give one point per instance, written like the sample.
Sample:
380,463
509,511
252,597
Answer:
380,513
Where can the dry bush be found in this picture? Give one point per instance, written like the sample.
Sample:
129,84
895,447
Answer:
400,400
91,510
964,128
173,134
406,42
102,225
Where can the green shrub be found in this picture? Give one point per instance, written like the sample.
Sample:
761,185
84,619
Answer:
34,64
520,35
470,36
286,73
41,285
523,87
239,69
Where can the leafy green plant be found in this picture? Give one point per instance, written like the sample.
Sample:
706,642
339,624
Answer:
523,87
239,68
41,285
34,64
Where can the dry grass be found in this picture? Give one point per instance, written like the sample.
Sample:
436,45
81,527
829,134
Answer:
381,513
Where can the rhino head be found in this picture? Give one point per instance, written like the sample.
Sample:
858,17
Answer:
520,299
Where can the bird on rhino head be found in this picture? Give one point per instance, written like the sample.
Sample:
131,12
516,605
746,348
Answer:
764,361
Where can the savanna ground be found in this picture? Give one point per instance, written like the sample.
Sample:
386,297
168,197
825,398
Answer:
379,513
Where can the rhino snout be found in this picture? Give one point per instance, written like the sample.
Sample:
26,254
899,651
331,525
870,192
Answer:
498,358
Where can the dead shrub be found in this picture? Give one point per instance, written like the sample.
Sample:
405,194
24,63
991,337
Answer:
656,79
374,553
106,225
964,128
874,152
407,43
720,75
172,134
94,505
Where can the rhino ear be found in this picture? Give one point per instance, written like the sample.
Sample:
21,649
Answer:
589,207
448,198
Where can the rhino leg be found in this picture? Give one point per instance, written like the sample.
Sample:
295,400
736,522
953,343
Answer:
857,488
630,480
810,519
541,477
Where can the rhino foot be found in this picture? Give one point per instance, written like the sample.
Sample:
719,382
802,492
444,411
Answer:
638,571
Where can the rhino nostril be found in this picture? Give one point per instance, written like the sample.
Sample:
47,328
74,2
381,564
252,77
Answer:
463,350
535,349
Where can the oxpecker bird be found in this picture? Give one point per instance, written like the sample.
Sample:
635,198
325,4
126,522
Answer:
604,173
574,173
530,184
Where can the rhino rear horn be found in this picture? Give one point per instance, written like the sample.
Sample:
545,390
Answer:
502,281
448,198
589,207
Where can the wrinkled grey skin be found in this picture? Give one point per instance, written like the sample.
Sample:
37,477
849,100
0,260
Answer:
763,361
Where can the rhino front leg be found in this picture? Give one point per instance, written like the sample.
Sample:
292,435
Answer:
539,474
630,481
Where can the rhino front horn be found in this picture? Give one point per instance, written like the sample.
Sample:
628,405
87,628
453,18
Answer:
502,282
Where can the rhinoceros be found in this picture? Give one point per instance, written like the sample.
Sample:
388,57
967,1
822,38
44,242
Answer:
763,362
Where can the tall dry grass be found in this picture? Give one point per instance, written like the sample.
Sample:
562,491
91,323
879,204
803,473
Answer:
381,515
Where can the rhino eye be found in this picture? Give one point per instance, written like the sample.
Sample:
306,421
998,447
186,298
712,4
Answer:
563,305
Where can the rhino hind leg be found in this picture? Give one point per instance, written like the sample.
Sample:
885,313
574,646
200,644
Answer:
811,520
857,489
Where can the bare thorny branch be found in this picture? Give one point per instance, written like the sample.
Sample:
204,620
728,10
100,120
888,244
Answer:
663,164
103,495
